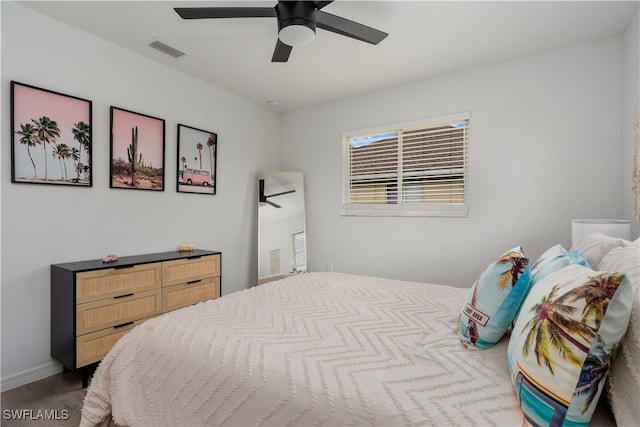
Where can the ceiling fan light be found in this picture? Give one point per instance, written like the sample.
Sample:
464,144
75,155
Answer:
296,35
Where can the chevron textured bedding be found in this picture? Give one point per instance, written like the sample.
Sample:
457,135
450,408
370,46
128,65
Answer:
314,349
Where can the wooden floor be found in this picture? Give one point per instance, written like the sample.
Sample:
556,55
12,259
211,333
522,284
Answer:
55,401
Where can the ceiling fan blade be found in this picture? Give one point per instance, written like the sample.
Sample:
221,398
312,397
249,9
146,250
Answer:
281,194
281,52
346,27
321,4
274,205
225,12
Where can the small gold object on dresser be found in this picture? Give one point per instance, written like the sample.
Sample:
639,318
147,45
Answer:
94,304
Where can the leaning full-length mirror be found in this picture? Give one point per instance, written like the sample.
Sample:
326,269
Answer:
282,248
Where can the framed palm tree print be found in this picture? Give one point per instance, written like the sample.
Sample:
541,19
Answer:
197,159
137,151
50,137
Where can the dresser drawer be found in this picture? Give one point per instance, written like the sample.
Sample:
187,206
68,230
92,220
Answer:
184,270
94,346
178,296
105,283
96,315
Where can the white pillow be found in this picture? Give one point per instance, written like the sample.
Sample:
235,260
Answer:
624,379
551,260
595,246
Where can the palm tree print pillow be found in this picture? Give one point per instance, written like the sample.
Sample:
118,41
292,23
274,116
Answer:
494,299
563,342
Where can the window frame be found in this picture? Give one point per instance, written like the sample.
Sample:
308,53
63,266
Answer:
400,209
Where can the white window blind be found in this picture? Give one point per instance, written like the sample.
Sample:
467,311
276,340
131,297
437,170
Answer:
410,169
300,251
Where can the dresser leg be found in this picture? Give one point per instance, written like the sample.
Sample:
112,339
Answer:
87,372
85,377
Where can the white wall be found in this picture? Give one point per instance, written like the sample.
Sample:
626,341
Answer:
630,104
46,224
545,147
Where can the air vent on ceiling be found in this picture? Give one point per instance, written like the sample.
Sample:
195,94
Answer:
166,48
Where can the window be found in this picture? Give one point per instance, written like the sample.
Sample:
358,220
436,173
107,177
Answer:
299,251
408,169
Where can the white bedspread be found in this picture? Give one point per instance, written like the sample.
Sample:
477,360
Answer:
313,349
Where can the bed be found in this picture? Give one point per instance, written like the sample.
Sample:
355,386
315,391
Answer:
312,349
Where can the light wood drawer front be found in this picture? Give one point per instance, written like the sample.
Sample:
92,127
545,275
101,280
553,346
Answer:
178,296
98,284
93,316
185,270
94,346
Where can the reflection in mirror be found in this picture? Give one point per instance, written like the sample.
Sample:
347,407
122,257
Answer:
282,248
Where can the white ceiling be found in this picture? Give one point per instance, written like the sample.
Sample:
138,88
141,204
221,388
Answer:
426,39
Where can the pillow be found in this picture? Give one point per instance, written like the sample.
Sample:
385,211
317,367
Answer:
493,300
554,259
577,258
594,246
623,386
562,342
551,260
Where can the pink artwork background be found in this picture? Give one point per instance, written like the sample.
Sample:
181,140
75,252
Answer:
31,103
150,137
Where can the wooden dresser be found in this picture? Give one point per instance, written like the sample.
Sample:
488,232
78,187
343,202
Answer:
93,303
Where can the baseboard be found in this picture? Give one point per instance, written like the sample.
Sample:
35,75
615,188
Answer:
30,375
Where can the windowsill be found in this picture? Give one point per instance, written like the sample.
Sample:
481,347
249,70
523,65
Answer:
444,210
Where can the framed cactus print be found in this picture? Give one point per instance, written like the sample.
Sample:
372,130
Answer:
50,137
197,158
137,151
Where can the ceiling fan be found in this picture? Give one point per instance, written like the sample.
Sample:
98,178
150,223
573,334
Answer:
265,199
297,22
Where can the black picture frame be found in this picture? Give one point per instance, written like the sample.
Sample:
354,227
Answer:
58,124
200,178
137,150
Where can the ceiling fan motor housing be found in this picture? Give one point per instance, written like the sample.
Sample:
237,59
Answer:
290,13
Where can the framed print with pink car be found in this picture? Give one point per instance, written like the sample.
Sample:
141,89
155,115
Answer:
197,159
